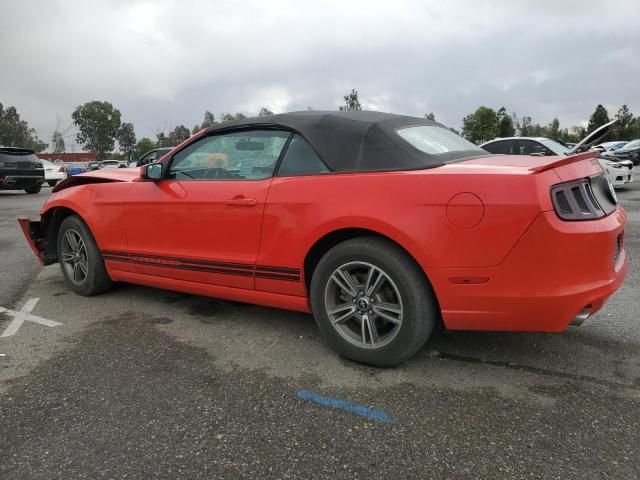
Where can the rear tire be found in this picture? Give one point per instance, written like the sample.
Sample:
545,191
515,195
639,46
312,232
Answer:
52,183
80,260
33,190
393,311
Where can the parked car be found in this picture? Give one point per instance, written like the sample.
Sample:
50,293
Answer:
93,166
112,164
619,172
609,146
151,156
20,169
76,168
379,224
53,173
630,152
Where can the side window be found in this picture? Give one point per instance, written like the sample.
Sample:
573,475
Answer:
247,155
529,147
504,147
300,159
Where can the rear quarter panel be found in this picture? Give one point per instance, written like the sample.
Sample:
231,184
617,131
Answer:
408,207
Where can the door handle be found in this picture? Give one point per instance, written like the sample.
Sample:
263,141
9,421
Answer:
241,202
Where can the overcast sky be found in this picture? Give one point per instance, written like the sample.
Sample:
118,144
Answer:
163,63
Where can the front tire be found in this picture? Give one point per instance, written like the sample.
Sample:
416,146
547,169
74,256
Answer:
372,302
80,260
33,190
52,183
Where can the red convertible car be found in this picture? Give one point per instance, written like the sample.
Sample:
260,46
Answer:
378,224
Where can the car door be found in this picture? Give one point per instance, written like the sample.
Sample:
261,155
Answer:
201,222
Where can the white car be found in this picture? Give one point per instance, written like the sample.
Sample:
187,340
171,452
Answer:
53,173
618,172
111,164
607,148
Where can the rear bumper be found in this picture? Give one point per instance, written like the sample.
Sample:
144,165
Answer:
32,232
556,271
12,182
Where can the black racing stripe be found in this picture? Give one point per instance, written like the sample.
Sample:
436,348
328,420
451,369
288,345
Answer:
193,268
273,276
112,258
264,268
227,268
189,261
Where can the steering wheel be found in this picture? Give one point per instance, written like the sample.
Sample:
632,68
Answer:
218,173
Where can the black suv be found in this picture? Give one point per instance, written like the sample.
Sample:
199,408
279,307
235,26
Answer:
20,169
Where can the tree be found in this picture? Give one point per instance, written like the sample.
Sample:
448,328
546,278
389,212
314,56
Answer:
505,124
143,146
351,101
209,119
525,127
553,129
624,129
196,128
126,138
98,124
430,116
162,140
178,135
480,126
15,132
229,117
599,117
57,141
265,112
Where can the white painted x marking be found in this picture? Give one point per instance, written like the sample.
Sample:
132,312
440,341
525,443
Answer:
24,314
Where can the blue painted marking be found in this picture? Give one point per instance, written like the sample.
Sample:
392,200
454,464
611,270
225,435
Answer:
342,405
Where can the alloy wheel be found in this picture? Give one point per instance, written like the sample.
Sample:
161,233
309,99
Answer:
363,304
74,256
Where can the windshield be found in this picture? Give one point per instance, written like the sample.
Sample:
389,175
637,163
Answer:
436,140
554,146
634,144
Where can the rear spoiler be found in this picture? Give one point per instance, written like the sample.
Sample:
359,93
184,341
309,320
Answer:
565,161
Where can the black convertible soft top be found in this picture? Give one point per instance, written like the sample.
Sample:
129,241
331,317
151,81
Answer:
354,140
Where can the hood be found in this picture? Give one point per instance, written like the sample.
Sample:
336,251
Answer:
99,176
592,138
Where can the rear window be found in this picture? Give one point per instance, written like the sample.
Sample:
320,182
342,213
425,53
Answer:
18,157
436,140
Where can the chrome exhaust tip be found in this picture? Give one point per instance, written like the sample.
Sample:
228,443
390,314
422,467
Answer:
581,316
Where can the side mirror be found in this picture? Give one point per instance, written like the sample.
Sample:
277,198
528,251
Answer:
152,171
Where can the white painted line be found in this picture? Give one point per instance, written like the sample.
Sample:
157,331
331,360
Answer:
19,318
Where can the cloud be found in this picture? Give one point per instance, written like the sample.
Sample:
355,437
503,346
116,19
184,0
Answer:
164,63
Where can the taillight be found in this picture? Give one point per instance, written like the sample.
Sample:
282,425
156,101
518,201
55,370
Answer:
575,200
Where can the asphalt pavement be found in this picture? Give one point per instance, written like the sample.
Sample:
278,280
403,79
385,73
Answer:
145,383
